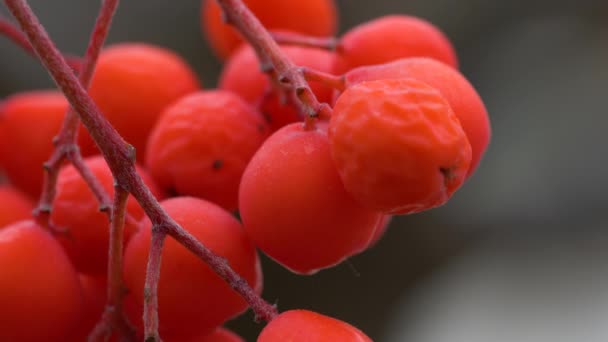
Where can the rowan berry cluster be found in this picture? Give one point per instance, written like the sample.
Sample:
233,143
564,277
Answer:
315,142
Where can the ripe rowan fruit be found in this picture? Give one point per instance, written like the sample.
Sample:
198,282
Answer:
23,148
398,146
132,84
308,326
455,88
202,143
294,206
392,37
311,17
220,334
192,299
85,230
242,75
40,295
94,294
14,205
381,228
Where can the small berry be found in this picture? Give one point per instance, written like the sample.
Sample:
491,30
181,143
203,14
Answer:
132,84
308,326
220,334
40,295
381,228
398,146
294,206
242,75
310,17
392,37
94,294
84,230
14,205
192,299
202,143
28,123
455,88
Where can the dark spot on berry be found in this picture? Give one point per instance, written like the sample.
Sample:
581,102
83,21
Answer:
267,117
217,164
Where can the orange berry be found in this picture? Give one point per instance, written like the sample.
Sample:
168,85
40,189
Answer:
40,295
202,143
76,210
28,123
392,37
294,206
14,205
398,146
192,299
308,326
132,84
242,75
455,88
311,17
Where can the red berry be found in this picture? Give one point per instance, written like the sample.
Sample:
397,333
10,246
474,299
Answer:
202,143
40,295
76,211
398,146
381,228
392,37
460,94
94,291
294,206
242,75
308,326
14,205
28,123
132,84
311,17
192,299
218,335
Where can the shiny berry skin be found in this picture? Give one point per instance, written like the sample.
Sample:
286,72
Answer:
14,205
393,37
398,146
84,230
311,17
457,90
28,123
294,206
242,75
192,299
40,294
309,326
202,143
132,84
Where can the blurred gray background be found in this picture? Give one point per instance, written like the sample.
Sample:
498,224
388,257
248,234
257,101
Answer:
521,252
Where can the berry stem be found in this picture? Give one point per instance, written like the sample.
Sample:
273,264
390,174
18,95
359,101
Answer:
294,38
120,156
113,317
332,81
151,286
66,146
16,36
286,72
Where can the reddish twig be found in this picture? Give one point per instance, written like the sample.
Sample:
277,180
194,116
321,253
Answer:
294,38
113,317
120,156
16,36
332,81
151,286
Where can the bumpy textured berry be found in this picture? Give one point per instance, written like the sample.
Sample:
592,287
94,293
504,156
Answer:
308,326
398,146
14,205
132,84
28,123
202,143
192,299
40,295
392,37
242,75
457,90
311,17
85,230
294,206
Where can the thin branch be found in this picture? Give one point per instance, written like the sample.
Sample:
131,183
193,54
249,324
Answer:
16,36
332,81
151,286
294,38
